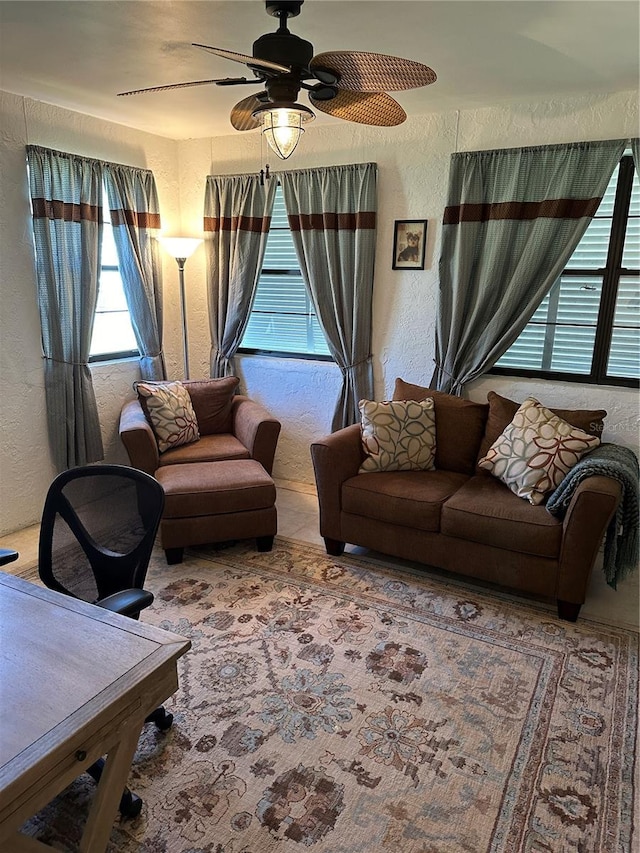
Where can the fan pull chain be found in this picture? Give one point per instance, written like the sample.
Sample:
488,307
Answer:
264,173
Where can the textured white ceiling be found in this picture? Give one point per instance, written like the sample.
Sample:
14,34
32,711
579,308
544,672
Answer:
80,54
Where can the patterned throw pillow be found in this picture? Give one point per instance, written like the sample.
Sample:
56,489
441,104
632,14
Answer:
168,408
398,436
535,451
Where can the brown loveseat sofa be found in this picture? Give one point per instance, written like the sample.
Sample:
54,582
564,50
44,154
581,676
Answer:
459,517
219,487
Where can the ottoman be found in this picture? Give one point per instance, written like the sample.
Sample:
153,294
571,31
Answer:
215,502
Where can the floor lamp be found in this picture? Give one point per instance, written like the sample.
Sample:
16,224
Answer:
182,248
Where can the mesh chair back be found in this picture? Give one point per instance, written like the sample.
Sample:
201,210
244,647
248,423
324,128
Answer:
98,527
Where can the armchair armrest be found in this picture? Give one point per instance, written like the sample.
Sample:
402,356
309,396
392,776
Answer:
591,509
336,458
127,602
256,429
7,555
138,438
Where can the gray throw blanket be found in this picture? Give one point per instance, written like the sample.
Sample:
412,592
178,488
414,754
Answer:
621,552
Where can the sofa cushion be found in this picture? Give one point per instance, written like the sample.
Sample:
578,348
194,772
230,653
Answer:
536,451
398,436
212,401
460,425
214,488
502,410
406,498
167,406
484,510
210,448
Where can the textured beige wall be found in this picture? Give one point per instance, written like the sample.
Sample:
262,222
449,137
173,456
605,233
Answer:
413,162
25,463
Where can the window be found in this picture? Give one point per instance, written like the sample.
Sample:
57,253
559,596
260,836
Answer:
282,320
112,330
587,328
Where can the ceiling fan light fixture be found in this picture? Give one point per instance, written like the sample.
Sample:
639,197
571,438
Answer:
282,125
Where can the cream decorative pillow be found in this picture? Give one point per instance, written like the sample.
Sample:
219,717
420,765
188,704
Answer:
535,451
168,408
399,435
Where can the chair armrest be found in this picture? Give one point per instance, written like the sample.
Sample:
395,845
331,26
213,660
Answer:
591,509
127,602
256,429
7,555
138,438
336,458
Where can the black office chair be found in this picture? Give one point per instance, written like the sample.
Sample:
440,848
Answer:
98,528
8,555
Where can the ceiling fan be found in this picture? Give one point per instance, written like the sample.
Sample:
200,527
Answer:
350,85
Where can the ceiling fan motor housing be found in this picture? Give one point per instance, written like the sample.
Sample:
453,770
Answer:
285,49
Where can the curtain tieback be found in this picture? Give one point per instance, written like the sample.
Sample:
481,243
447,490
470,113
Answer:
356,363
442,370
456,382
62,361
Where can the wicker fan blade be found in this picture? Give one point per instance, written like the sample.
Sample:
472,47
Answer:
241,114
374,72
251,61
225,81
376,108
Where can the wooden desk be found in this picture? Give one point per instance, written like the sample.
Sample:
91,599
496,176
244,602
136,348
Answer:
76,682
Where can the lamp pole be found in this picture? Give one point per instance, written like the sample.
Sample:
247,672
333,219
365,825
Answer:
182,248
183,310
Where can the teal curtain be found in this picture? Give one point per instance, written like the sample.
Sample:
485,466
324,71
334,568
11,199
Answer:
332,215
635,150
66,200
512,221
237,214
135,216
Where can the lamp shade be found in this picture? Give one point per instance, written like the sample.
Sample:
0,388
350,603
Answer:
180,247
282,126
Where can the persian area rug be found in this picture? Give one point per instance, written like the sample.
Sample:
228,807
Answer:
341,706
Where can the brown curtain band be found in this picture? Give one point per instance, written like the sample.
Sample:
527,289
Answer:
333,221
66,211
135,218
257,224
555,208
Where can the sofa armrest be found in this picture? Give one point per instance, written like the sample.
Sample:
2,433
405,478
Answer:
138,438
336,458
256,429
591,509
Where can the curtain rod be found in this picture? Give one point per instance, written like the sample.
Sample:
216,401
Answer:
88,159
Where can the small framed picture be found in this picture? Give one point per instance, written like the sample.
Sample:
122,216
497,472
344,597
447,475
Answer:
409,243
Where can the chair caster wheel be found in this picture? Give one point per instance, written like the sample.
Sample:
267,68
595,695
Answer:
165,723
161,719
130,805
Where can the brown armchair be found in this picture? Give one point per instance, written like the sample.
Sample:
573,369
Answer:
219,487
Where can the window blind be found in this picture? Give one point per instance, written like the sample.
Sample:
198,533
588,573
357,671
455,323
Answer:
561,335
282,318
112,330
